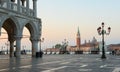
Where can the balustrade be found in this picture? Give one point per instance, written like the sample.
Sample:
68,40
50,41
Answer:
14,7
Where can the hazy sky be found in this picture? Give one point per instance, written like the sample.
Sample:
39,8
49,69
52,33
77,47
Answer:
61,18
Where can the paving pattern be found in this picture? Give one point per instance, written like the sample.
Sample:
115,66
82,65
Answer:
61,63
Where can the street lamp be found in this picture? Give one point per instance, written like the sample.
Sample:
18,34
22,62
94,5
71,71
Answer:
7,44
41,40
103,32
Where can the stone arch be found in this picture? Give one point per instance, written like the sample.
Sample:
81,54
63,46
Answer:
31,27
14,22
34,38
11,25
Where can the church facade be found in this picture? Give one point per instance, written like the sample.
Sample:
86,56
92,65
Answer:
90,46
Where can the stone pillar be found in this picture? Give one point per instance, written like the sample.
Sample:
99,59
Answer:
27,6
0,31
34,47
35,8
11,48
12,6
18,5
8,4
18,47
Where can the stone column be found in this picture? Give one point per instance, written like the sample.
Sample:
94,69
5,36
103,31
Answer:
27,6
35,8
0,31
34,47
8,4
12,6
11,48
18,47
18,5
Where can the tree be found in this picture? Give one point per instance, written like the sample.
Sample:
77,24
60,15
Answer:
58,46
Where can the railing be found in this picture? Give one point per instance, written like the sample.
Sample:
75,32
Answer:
31,12
23,10
3,4
14,7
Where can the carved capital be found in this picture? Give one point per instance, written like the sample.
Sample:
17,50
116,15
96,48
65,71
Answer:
34,39
18,37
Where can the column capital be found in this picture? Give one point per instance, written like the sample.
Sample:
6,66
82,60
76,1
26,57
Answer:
34,39
18,37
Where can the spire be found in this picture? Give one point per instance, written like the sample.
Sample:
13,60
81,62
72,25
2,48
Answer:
78,39
78,33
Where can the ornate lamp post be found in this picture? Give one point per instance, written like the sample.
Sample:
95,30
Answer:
41,40
7,44
103,32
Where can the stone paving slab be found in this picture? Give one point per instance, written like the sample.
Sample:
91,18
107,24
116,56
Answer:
61,63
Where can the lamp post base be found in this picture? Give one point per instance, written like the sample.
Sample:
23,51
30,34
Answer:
39,54
103,57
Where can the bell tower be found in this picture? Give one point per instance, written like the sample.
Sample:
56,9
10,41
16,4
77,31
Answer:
78,39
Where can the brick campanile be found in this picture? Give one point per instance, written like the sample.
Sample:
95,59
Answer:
78,39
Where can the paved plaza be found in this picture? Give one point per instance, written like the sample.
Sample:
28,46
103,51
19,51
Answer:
61,63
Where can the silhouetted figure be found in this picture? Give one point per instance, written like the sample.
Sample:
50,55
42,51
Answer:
15,54
41,53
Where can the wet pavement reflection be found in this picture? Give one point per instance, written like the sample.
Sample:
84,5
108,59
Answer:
21,65
61,63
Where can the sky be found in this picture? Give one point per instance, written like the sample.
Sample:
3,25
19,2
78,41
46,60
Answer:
61,19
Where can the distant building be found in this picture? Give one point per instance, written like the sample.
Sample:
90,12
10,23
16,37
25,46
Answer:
51,50
86,47
90,46
112,47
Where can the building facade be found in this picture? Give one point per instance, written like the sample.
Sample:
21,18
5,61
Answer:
14,16
114,48
90,46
